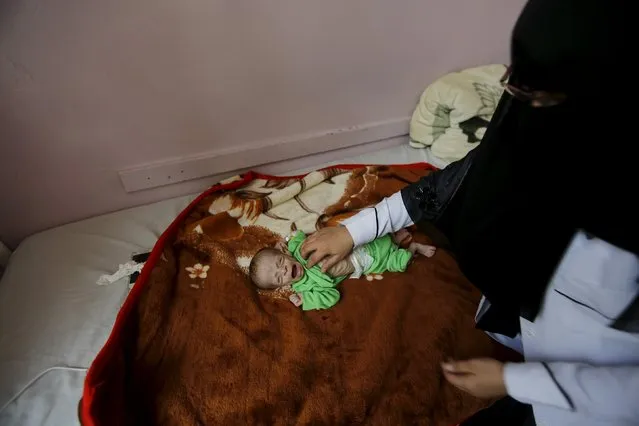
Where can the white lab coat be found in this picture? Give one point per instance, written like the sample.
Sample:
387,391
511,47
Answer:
579,370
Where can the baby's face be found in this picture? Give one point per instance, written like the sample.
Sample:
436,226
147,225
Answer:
277,269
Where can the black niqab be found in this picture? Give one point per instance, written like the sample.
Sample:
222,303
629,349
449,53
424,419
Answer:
541,174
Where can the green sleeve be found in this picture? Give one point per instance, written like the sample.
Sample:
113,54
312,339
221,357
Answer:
398,260
319,298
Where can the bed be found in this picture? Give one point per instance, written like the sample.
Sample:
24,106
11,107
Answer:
197,343
54,318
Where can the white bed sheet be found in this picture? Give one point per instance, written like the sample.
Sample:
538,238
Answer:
52,313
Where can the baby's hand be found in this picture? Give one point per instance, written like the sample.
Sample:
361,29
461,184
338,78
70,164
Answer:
296,299
281,246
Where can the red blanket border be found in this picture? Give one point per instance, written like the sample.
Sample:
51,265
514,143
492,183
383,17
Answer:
99,364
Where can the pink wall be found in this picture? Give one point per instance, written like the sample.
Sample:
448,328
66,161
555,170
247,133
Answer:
88,88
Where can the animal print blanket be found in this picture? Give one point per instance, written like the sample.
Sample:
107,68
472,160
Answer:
196,344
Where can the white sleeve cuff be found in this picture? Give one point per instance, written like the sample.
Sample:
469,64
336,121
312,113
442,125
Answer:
533,383
362,227
367,225
397,213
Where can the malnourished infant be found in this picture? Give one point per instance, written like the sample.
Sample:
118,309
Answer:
283,266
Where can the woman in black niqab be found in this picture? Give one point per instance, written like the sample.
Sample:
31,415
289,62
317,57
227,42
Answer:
557,157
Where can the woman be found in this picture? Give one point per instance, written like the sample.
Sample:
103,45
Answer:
552,243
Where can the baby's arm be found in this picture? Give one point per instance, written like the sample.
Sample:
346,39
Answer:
317,298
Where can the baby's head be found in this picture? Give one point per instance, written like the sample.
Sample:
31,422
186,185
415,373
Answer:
271,268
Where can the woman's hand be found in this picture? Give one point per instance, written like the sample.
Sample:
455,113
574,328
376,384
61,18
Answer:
481,377
328,246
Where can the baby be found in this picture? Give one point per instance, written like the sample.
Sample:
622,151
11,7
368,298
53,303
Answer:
283,266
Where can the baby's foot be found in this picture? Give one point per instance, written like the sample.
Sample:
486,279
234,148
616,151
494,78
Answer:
374,277
423,249
429,251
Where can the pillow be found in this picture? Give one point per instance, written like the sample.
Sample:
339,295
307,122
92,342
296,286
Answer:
454,111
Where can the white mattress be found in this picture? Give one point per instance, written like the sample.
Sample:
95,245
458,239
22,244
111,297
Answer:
52,313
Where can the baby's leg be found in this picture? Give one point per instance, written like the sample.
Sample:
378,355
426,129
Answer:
423,249
402,237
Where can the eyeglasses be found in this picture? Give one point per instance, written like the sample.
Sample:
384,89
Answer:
536,98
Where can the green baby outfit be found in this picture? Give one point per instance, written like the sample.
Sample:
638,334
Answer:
319,290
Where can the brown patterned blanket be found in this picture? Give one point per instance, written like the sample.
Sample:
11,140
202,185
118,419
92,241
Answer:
195,344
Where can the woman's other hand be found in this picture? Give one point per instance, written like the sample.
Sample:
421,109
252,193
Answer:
481,377
328,246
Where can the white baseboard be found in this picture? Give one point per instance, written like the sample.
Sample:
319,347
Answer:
170,171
